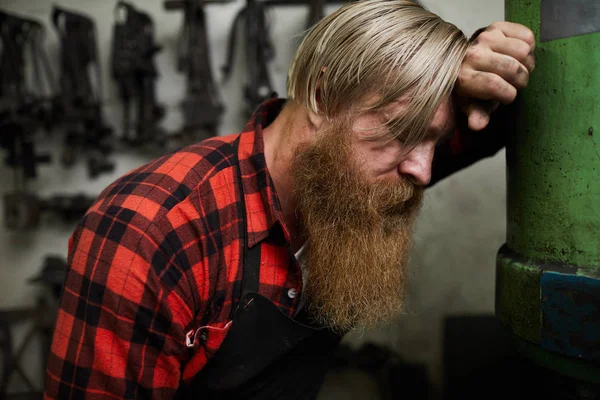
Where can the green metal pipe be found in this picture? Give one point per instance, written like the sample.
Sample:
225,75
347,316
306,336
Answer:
548,272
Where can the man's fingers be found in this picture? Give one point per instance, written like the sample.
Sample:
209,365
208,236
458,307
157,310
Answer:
516,31
478,114
485,86
505,66
497,64
517,49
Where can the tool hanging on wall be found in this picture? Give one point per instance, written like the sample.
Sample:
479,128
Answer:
81,92
26,102
134,70
259,49
24,210
41,321
202,107
316,13
52,275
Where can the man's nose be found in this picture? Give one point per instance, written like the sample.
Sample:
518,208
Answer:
416,166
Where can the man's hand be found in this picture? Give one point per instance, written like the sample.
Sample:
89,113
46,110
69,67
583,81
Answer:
498,63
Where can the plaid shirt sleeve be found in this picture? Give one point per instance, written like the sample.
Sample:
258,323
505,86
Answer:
465,147
139,279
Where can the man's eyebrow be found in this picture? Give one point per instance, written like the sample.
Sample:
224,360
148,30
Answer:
440,131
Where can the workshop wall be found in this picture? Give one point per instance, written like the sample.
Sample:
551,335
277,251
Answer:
460,230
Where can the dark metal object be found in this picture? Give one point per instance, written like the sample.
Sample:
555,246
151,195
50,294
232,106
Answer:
259,52
6,349
480,353
80,96
259,47
570,310
202,106
316,7
553,307
25,106
43,321
18,36
22,109
548,272
316,13
134,69
17,140
563,19
23,210
52,274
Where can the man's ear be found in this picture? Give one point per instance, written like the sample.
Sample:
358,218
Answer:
318,119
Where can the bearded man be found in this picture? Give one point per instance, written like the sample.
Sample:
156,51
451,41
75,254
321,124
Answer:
232,268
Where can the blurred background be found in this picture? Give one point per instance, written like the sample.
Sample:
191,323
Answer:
459,232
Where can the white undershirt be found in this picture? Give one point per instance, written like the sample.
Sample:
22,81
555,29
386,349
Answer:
301,258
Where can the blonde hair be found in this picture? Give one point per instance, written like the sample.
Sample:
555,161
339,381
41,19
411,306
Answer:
383,49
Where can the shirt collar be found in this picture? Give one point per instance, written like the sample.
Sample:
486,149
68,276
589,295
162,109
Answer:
263,209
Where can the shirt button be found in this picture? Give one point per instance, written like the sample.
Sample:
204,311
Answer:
292,293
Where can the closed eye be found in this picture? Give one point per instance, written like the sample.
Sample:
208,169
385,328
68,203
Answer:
445,138
401,137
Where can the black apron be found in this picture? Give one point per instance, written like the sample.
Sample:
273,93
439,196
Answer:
266,354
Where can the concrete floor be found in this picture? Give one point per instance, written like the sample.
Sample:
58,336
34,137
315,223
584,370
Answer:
461,227
349,385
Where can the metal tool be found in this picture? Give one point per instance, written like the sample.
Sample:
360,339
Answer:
202,107
134,70
548,272
81,92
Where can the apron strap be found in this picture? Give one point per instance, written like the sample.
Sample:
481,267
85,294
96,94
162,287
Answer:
251,270
251,257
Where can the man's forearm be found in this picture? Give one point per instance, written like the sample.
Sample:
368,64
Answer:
467,146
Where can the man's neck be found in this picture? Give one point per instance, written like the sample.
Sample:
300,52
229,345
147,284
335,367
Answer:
290,128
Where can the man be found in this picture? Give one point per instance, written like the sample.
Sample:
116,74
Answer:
232,268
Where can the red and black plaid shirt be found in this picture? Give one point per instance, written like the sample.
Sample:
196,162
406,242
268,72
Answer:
154,266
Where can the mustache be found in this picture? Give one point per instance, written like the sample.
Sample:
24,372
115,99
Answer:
393,197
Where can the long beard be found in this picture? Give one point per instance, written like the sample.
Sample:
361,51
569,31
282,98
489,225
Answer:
358,235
